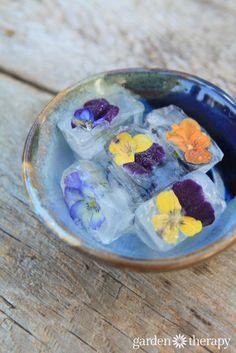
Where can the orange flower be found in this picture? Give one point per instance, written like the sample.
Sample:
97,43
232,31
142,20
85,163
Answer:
191,140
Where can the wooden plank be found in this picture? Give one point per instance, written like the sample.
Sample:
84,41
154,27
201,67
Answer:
52,299
56,43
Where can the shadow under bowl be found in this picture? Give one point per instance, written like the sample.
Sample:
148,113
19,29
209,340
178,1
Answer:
46,155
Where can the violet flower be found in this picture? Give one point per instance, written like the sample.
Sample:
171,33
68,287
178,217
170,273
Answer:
82,203
94,112
191,197
145,161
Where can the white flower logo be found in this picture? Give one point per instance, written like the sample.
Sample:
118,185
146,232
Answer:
179,341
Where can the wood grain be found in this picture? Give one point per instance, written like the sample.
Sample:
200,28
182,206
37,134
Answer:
92,36
53,299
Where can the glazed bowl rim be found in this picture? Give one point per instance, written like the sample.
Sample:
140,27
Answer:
47,217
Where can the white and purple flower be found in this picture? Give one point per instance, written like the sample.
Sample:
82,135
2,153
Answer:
82,202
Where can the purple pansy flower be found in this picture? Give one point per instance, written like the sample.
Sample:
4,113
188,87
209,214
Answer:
145,161
82,203
93,113
191,197
72,195
73,180
83,117
135,169
98,107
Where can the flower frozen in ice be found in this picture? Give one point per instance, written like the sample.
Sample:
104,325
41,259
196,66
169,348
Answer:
171,218
189,138
93,113
124,147
138,154
183,208
82,202
191,197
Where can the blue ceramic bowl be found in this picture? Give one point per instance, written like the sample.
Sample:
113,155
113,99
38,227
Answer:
46,155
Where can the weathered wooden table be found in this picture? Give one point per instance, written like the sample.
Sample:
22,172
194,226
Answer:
53,299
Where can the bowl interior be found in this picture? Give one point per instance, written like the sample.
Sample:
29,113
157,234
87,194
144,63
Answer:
47,155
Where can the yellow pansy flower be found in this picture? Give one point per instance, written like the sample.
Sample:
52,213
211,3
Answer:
124,147
171,220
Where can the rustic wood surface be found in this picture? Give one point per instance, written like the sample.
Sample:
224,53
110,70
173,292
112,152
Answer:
53,299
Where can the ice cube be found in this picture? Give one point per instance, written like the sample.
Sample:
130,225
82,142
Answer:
184,137
141,164
164,116
88,122
185,209
96,203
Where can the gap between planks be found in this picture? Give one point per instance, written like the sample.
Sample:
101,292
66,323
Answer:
28,82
